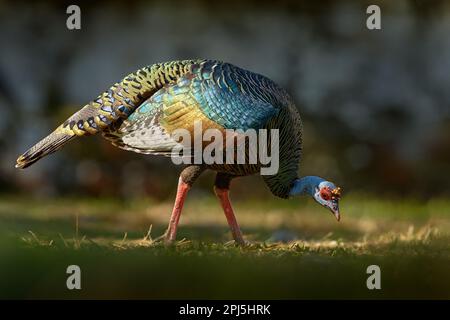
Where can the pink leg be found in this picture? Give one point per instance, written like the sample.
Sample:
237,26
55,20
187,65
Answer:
222,194
182,191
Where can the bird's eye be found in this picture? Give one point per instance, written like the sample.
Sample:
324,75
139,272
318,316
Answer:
325,194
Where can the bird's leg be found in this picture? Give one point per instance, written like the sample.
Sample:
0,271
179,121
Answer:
182,191
222,194
221,189
185,182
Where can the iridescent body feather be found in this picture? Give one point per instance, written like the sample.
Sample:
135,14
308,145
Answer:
140,113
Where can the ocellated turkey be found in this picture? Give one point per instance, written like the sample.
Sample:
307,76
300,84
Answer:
140,112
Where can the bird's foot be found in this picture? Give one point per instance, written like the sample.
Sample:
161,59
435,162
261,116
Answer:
158,239
164,238
239,242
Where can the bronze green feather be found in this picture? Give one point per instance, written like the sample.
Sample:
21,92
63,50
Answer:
140,112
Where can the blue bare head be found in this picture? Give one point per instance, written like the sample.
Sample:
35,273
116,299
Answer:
324,192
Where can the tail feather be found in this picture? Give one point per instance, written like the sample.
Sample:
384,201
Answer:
46,146
109,109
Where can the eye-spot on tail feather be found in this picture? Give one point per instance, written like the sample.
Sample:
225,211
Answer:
46,146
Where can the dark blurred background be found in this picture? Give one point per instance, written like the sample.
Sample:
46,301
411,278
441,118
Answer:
375,104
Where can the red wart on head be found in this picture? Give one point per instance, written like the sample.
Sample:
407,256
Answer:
325,193
328,193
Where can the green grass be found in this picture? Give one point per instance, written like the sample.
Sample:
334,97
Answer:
113,244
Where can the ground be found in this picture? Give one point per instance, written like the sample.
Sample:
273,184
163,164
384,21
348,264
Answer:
296,250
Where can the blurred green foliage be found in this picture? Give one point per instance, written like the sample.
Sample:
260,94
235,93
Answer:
375,103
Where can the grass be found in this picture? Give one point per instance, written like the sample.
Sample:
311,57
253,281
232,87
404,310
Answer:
296,249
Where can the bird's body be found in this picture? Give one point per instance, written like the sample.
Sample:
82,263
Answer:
144,111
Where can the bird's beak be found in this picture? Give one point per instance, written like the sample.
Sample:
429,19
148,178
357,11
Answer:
335,211
337,215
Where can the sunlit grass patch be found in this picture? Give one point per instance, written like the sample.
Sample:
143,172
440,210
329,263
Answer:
382,244
295,250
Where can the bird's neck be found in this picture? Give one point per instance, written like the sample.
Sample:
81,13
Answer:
305,186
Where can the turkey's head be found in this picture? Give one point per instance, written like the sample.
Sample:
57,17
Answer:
328,195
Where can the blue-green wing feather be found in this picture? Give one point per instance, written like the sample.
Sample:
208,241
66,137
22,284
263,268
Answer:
230,96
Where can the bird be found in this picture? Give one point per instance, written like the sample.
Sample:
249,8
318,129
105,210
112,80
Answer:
141,112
